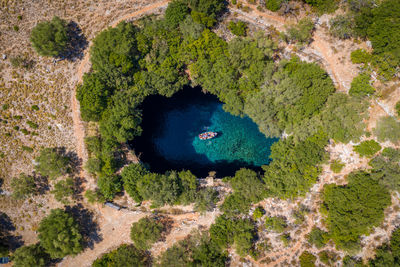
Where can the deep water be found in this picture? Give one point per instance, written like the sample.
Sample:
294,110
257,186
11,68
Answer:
170,136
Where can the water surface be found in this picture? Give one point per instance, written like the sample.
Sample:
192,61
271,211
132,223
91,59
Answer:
170,136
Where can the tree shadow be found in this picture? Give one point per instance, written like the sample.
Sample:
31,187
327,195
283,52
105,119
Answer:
42,183
78,188
75,163
167,223
89,229
77,43
6,227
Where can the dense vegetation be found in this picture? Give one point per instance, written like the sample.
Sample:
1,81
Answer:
146,231
125,255
347,219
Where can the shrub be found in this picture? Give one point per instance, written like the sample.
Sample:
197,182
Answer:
273,5
307,259
353,209
206,200
61,227
93,196
64,189
367,148
109,185
360,86
21,62
50,38
32,255
341,27
131,174
387,128
277,224
318,237
360,56
328,257
125,255
301,32
336,166
239,28
397,107
5,106
27,149
35,107
23,187
93,165
145,232
176,12
258,213
32,124
52,163
16,28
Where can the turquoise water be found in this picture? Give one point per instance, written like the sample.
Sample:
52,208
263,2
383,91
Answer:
171,128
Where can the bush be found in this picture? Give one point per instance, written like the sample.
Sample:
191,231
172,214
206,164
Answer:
176,12
35,107
397,108
341,27
367,148
94,196
323,6
206,200
145,232
32,255
328,257
125,255
131,174
63,190
109,185
360,56
273,5
258,213
301,32
387,129
307,259
318,237
50,38
354,209
61,227
32,124
52,163
277,224
336,166
239,28
23,187
360,86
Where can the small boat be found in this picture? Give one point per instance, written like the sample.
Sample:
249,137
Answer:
207,135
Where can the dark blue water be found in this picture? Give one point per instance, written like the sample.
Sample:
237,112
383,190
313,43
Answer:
170,136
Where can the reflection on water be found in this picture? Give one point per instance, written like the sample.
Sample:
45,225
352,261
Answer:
170,136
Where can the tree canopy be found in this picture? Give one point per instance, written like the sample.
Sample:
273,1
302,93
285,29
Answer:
52,162
347,219
59,234
32,255
50,38
125,255
146,231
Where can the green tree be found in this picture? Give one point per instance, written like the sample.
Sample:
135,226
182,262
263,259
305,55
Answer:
59,234
32,255
347,219
93,96
109,185
341,27
387,129
52,163
307,259
50,38
114,55
336,166
189,186
176,12
277,224
360,56
360,86
206,200
301,32
386,168
63,190
367,148
24,186
125,255
273,5
342,117
131,174
318,237
146,231
238,28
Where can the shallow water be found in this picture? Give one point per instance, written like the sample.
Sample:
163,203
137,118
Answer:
170,136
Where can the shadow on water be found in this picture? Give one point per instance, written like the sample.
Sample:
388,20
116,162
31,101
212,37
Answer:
170,130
